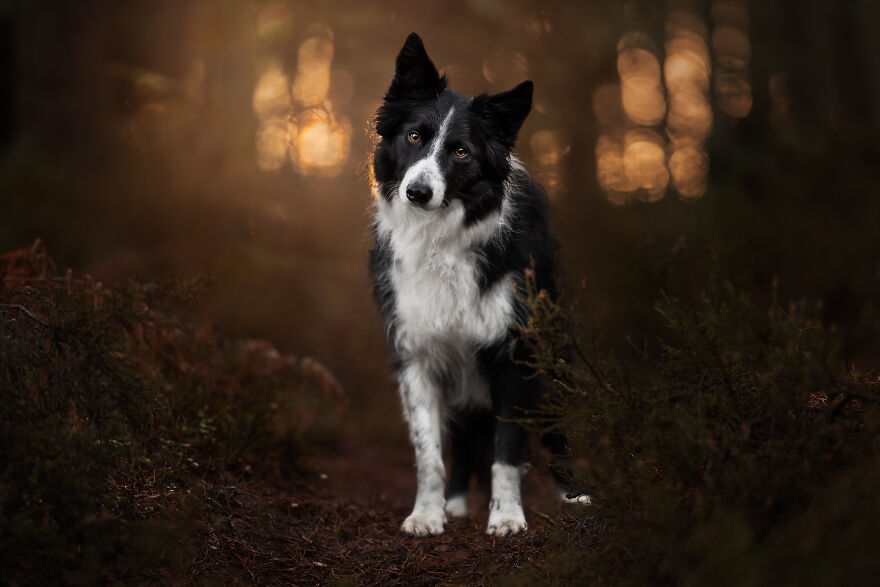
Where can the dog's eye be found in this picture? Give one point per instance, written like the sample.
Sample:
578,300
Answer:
461,152
414,137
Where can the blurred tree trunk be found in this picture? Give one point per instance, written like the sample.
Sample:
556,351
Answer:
7,75
61,51
830,56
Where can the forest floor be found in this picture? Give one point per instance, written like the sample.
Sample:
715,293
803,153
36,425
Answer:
344,528
143,448
143,445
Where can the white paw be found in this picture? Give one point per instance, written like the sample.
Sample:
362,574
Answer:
424,523
506,523
456,506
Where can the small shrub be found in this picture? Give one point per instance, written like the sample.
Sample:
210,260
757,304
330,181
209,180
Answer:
740,453
119,412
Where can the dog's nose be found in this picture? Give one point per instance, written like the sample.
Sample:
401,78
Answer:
418,193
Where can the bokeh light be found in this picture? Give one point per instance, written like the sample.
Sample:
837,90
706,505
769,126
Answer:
690,116
537,25
641,88
733,50
689,167
687,65
158,104
271,144
550,148
505,69
633,160
610,169
297,120
312,80
644,162
271,102
271,97
319,143
687,69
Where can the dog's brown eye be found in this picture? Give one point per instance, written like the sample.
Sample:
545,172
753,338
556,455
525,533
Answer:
414,137
461,152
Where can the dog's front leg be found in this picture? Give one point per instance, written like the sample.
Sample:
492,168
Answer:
506,515
510,391
420,394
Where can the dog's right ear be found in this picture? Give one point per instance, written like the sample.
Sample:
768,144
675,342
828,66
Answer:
415,76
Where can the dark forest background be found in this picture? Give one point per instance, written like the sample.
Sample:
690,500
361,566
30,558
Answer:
686,146
128,143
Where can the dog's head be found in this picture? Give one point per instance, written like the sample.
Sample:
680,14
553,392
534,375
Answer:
437,145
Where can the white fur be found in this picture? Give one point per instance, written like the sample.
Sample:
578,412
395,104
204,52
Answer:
505,509
420,397
441,318
427,170
456,506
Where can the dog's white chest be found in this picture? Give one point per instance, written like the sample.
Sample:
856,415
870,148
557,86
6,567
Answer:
438,302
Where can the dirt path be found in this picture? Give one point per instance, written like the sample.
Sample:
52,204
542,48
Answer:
344,527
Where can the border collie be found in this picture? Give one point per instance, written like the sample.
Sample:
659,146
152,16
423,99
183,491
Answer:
458,220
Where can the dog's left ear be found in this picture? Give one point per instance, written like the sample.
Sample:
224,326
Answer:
415,76
506,111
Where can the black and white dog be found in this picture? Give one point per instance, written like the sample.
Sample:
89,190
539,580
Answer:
458,219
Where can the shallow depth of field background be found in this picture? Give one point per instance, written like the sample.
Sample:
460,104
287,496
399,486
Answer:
232,138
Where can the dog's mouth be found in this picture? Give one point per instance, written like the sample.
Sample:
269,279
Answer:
429,207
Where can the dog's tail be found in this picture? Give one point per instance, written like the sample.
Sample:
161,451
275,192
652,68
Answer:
560,467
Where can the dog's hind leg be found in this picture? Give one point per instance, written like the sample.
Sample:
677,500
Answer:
462,466
470,441
420,395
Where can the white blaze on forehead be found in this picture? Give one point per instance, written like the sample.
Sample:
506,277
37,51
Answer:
438,141
427,170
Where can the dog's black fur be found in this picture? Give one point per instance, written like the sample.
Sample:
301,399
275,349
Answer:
486,127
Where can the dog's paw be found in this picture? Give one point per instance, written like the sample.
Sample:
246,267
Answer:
506,523
424,524
456,506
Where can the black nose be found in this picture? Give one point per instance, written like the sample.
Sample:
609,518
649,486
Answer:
418,193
